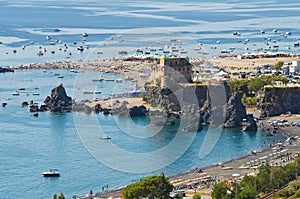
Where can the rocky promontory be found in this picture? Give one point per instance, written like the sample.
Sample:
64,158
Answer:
214,104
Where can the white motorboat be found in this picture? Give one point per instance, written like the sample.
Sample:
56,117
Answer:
51,173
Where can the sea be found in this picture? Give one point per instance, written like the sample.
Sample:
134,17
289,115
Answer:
71,142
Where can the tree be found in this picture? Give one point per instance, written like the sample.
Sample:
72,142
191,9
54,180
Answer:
263,178
249,182
278,65
196,196
178,196
150,187
219,190
247,194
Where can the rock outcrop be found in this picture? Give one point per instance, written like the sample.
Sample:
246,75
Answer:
249,124
138,111
58,101
279,100
222,110
235,111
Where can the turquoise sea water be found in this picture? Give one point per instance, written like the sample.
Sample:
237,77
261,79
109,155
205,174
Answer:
207,22
30,145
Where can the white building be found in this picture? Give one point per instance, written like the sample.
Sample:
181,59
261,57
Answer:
295,67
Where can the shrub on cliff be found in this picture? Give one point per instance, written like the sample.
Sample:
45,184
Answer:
253,85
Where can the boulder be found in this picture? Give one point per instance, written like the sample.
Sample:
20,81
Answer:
98,108
33,108
24,104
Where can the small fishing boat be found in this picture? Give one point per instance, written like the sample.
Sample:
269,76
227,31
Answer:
80,48
98,80
106,138
16,93
91,92
85,34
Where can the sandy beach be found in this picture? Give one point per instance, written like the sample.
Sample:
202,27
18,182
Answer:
233,64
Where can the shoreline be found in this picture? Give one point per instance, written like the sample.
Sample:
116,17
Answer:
210,170
216,171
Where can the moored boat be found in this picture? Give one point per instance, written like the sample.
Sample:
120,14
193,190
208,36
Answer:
106,138
51,173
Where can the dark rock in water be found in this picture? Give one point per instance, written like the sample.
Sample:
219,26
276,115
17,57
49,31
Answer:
43,108
58,101
98,108
33,108
106,111
35,114
24,104
4,70
235,111
249,124
4,104
138,111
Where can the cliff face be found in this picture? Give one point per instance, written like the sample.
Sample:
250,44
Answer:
279,100
235,111
222,109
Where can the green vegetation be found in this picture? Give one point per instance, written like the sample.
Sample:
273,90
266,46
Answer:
268,179
249,100
278,65
220,191
150,187
178,196
196,196
251,86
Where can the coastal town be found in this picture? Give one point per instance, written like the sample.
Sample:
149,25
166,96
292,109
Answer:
150,99
196,75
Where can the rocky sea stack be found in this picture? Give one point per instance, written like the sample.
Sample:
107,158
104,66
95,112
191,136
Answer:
58,101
